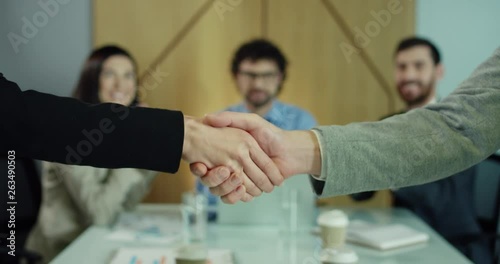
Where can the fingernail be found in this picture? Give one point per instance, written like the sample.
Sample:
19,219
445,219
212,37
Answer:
236,181
223,173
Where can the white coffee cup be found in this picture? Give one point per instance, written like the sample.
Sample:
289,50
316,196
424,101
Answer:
333,226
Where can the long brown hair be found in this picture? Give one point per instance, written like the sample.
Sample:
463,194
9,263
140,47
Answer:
87,89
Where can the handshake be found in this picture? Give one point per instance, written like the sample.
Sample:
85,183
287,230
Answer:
239,156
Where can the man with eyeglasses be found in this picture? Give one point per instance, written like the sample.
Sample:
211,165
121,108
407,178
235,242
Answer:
259,69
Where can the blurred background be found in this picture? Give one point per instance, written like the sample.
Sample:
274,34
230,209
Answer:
184,48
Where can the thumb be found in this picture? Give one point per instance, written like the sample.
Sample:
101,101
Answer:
199,169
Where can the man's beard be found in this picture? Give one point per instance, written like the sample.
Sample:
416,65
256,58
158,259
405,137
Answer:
423,97
259,103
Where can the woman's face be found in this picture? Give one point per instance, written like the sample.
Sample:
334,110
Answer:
117,82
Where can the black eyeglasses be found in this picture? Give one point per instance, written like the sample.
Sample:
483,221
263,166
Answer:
265,76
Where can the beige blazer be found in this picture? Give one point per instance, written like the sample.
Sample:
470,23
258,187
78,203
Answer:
75,197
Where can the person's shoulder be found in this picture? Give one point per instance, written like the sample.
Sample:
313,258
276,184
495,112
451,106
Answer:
231,107
5,83
497,51
235,108
393,114
303,118
292,108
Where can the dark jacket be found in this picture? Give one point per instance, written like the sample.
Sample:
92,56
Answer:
65,130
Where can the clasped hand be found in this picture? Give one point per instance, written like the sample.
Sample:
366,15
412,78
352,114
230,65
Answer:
239,156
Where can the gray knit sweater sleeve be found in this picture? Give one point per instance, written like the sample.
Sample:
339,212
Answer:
420,146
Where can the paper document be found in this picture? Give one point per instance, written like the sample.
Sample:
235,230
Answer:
164,256
384,237
147,227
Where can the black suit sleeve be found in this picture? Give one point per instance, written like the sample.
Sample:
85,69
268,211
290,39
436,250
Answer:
65,130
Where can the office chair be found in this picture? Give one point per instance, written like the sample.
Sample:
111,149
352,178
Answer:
487,187
28,198
487,207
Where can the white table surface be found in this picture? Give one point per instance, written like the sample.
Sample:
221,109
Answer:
264,244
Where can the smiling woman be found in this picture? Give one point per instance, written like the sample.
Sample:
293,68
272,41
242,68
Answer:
80,195
117,82
109,76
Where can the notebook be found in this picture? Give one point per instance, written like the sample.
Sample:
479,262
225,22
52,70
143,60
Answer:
164,256
384,237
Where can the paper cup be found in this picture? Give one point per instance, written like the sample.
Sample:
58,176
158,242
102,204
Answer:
333,228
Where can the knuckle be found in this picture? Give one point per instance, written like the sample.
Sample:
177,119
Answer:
242,152
208,181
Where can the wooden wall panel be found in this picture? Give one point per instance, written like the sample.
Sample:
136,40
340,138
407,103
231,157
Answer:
190,45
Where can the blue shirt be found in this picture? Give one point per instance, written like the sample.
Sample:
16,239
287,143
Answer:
284,116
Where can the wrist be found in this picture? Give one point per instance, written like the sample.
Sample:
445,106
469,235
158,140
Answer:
303,146
189,127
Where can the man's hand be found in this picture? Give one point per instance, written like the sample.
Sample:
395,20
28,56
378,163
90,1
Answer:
240,155
294,152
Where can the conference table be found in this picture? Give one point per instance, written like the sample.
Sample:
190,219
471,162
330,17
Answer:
265,244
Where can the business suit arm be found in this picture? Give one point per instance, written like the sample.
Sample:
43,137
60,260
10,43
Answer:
420,146
51,128
64,130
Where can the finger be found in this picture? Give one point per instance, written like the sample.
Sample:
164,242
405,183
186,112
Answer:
256,175
243,121
199,169
215,177
267,166
216,120
234,196
250,187
247,197
227,186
